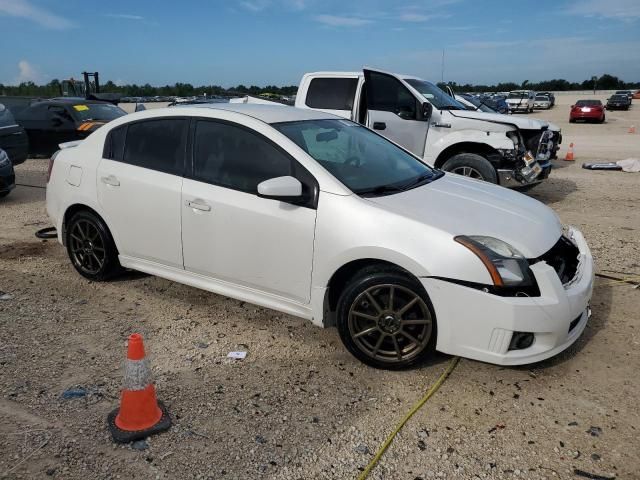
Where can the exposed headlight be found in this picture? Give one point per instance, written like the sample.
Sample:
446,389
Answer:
506,265
4,159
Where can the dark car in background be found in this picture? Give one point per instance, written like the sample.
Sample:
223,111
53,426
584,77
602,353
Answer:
618,102
13,138
587,110
628,93
7,177
496,103
51,122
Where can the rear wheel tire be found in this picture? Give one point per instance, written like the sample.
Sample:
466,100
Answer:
385,319
4,194
471,165
91,248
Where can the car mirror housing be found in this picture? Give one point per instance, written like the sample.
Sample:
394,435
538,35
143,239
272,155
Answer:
281,188
427,110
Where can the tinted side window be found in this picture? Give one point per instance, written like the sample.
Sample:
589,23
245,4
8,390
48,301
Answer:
114,144
233,157
387,94
157,144
332,93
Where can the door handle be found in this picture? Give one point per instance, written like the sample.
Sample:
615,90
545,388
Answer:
196,205
110,180
379,125
441,125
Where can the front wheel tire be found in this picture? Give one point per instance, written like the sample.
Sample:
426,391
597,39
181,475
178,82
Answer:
91,248
385,319
471,165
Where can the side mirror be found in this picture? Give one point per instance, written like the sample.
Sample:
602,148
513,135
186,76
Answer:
140,107
285,189
56,121
573,106
427,111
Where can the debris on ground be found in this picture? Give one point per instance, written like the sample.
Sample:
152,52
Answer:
75,392
591,476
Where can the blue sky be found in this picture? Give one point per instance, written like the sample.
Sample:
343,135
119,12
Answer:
275,41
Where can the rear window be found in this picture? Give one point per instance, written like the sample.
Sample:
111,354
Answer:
588,103
6,119
157,145
332,93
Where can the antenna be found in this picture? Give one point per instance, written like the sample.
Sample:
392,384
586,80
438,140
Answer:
442,76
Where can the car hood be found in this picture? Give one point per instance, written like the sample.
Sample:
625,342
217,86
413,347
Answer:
523,123
462,206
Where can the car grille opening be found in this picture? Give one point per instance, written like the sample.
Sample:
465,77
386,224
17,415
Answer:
563,258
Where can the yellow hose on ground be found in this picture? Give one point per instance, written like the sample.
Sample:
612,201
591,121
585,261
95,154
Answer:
434,388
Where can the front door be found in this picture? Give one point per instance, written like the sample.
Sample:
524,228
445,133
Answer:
231,234
139,188
393,111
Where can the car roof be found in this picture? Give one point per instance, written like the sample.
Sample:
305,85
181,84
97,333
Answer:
265,113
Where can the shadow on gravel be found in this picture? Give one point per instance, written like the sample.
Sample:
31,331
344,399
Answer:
553,190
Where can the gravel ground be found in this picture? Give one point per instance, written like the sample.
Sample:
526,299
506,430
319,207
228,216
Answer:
299,406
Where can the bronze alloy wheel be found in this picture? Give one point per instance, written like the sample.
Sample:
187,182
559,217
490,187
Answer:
390,323
87,247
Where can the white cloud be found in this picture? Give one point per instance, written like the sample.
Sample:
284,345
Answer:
124,16
627,10
255,5
24,9
342,21
28,72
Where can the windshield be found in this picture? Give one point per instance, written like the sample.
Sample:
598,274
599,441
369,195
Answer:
438,98
96,111
518,95
619,97
542,97
365,162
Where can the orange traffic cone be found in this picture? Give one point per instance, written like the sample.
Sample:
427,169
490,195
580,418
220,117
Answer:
632,129
569,157
140,414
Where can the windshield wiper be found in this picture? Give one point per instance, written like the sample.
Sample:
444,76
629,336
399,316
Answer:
449,107
379,190
418,181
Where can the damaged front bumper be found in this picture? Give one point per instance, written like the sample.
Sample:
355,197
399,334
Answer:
482,326
530,171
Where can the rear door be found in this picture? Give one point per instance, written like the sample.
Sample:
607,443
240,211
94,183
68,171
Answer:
394,111
139,183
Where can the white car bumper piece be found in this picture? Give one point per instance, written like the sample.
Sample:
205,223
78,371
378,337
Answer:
480,325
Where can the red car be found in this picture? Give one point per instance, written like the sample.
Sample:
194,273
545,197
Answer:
587,110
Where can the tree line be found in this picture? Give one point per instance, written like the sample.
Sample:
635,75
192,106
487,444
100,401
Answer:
52,89
604,82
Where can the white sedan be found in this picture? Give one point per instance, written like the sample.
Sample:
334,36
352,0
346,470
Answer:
319,217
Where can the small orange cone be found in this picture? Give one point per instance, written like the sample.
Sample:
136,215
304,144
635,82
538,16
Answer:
632,129
140,414
569,157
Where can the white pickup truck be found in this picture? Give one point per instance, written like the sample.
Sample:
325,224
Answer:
423,119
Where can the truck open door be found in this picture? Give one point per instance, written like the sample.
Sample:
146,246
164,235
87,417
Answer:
395,112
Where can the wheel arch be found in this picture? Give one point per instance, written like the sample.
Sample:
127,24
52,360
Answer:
341,277
79,207
482,149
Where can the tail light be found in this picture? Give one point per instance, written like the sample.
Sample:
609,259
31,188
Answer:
50,168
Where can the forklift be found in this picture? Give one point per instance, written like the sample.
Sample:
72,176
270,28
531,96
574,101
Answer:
89,89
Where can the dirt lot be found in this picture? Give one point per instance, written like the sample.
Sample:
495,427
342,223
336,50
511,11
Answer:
299,406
